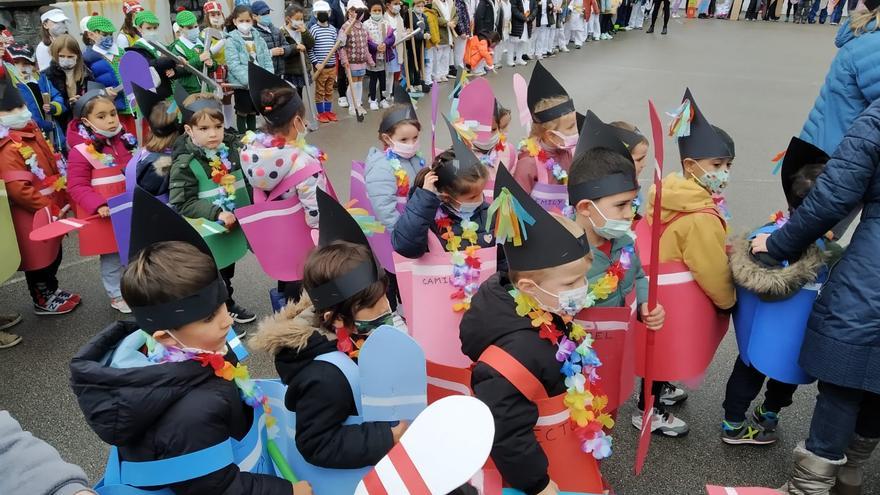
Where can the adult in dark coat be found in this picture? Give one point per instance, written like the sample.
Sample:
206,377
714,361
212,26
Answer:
842,343
520,20
487,18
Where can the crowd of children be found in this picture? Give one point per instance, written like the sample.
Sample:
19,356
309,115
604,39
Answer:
562,207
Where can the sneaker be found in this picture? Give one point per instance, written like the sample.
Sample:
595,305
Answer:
8,340
526,58
374,105
342,102
362,110
385,103
323,118
239,314
564,49
55,303
662,422
745,433
672,395
9,320
332,116
120,305
351,111
68,295
478,73
521,62
577,46
767,420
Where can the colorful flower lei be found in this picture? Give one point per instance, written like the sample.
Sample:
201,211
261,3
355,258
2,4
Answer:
531,146
220,173
30,159
721,203
349,343
250,392
779,219
584,398
465,263
400,175
275,141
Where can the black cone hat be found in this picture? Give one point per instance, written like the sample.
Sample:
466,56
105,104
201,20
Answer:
799,154
10,98
146,101
705,140
93,90
546,242
465,159
598,134
336,224
154,222
259,80
629,138
405,110
180,96
543,85
581,118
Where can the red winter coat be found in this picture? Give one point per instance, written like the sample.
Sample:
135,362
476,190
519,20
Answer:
79,173
21,193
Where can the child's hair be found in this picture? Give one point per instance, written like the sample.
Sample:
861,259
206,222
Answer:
128,25
394,108
538,275
45,37
161,118
166,271
631,128
328,263
90,105
491,37
237,11
597,163
277,98
213,113
293,10
463,184
372,3
500,113
68,42
539,128
804,179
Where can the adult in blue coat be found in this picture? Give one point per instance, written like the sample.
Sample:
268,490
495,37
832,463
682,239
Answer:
842,342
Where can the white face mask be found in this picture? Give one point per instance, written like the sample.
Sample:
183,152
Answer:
26,71
297,24
100,132
58,29
395,9
570,302
244,27
151,34
217,21
16,120
489,144
404,150
194,350
67,63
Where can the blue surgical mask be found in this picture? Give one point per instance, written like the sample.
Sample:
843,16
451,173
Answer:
192,34
714,182
106,42
466,210
613,229
265,20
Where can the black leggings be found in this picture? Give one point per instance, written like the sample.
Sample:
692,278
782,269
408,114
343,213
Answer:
376,78
606,25
657,4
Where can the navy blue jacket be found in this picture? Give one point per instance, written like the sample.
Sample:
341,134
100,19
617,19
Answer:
410,236
842,342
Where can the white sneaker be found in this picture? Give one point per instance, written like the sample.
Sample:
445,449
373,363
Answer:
662,422
480,72
565,49
672,395
374,105
120,305
351,111
385,104
342,102
521,62
578,45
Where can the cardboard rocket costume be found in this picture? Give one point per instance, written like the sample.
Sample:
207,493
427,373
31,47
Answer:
767,342
693,328
533,365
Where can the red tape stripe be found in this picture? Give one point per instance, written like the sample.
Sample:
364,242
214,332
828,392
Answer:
373,484
408,472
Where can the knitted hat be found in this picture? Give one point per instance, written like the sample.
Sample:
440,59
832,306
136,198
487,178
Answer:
145,17
186,18
212,7
131,6
100,23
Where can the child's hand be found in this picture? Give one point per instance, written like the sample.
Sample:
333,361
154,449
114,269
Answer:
104,211
277,51
301,47
381,47
227,218
397,431
431,182
47,107
302,488
205,55
550,489
759,243
653,319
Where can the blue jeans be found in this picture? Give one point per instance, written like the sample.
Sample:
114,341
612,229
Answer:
838,12
814,9
840,412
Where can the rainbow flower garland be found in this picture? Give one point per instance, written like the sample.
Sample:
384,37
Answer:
220,173
400,175
584,398
531,146
465,264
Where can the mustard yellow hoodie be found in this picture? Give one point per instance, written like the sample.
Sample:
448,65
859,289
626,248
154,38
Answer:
696,239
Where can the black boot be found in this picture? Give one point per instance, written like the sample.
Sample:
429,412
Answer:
664,30
650,29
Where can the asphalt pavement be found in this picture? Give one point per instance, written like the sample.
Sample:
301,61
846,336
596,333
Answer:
756,80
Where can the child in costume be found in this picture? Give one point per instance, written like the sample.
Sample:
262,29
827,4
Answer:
771,282
102,57
545,156
415,49
535,369
300,38
96,173
34,180
189,45
694,220
393,65
431,43
346,302
180,384
601,188
154,167
33,85
354,52
213,27
129,33
447,200
243,46
271,157
206,176
479,52
162,67
380,32
576,25
447,20
325,36
637,144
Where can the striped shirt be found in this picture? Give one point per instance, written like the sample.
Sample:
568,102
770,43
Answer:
325,38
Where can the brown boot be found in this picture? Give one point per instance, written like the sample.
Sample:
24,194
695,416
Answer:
849,478
812,475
